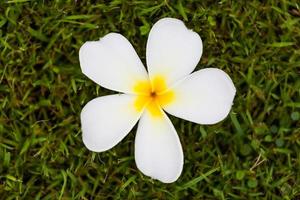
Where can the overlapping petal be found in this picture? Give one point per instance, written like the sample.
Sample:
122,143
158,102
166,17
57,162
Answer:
105,121
112,63
158,152
204,97
173,51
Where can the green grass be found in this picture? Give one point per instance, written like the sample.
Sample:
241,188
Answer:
253,154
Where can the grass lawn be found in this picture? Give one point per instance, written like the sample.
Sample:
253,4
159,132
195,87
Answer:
253,154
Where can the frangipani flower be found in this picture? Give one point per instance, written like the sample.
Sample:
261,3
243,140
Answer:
173,51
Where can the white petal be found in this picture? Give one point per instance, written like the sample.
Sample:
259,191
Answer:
204,97
158,151
107,120
112,63
172,50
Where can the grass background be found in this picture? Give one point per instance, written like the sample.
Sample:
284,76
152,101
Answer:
253,154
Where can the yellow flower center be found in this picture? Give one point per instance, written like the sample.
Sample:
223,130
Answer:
153,95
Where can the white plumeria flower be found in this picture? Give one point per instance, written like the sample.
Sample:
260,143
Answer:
173,51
